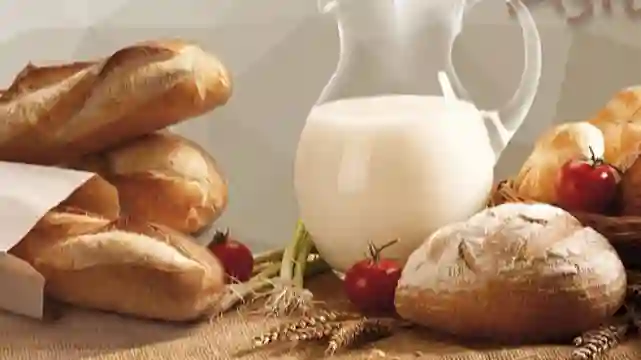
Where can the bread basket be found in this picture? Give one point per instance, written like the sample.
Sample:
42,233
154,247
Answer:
623,232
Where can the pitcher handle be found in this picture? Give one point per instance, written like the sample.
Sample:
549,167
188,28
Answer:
508,118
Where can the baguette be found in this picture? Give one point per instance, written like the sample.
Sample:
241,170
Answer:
54,114
164,178
125,266
96,196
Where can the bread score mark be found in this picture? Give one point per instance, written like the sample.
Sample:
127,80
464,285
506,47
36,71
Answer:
23,114
154,71
117,247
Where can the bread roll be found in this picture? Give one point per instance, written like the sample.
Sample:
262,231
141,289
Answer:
622,141
164,178
126,266
537,178
513,273
625,104
51,115
620,122
96,196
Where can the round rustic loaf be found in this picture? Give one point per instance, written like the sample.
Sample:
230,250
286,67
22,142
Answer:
513,273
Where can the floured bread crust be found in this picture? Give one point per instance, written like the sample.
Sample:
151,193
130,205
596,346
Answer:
513,273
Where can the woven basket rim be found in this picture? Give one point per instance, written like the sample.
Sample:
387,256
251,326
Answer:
504,192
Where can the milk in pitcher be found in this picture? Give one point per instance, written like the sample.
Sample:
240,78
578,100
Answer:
390,166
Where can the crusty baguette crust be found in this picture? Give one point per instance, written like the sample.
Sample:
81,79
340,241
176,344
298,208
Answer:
164,178
33,77
51,115
126,266
56,225
96,196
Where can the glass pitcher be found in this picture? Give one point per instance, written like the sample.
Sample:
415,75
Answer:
394,148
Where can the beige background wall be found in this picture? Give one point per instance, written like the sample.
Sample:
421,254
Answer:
282,53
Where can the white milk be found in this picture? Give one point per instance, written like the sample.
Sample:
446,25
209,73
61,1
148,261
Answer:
386,167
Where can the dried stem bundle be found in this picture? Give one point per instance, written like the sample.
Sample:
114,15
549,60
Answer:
287,330
340,329
265,281
318,332
596,343
356,332
288,295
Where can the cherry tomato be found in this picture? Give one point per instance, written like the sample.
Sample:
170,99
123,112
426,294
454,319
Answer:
370,284
587,185
236,258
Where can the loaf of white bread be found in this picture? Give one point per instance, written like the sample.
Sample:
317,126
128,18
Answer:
55,114
96,196
165,179
124,265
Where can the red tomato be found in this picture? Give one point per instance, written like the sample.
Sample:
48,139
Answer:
236,258
370,284
587,186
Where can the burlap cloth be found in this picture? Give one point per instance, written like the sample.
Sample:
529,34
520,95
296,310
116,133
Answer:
87,335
